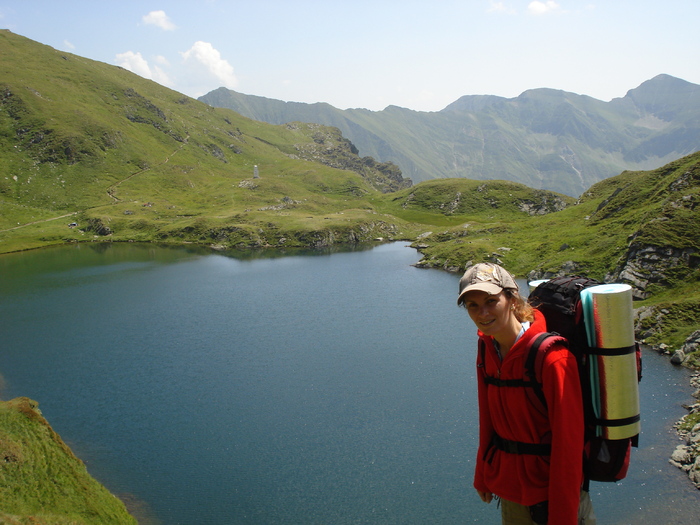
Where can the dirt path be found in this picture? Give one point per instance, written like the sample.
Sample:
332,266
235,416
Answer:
113,187
39,222
110,192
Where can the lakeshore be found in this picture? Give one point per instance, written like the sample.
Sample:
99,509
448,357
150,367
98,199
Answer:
686,455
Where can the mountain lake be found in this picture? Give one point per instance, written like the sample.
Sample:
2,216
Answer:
296,387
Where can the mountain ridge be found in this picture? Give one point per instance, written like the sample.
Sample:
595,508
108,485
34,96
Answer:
545,138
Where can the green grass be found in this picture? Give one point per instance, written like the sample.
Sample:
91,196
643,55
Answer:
41,481
689,422
594,237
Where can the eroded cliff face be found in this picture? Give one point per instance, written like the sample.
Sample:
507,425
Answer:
646,266
329,147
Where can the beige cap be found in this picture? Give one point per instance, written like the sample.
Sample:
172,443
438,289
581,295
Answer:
486,277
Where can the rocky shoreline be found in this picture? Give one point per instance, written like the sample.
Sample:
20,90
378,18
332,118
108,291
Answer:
687,455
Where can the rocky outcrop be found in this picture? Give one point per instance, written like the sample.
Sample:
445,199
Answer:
545,203
650,321
692,343
646,265
329,147
98,227
684,354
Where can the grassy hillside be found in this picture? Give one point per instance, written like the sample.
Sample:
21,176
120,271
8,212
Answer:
41,481
637,227
85,142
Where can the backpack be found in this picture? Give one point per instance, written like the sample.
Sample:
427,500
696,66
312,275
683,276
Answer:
558,299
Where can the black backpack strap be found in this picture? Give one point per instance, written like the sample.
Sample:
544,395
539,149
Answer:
489,380
519,447
535,357
481,355
532,369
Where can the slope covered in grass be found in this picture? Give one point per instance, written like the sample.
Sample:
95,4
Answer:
85,142
639,227
41,481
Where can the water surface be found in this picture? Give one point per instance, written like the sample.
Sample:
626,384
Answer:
333,388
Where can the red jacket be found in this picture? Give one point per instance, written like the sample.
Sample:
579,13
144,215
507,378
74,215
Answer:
525,478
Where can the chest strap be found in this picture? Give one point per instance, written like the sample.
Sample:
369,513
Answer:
508,382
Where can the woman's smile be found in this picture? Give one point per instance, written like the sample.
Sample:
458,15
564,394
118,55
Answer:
493,315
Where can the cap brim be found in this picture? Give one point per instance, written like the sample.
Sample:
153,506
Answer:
489,288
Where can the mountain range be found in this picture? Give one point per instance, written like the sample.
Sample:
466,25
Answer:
544,138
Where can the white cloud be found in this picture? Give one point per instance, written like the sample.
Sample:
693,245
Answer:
160,59
205,54
159,19
162,77
135,63
500,7
68,45
541,8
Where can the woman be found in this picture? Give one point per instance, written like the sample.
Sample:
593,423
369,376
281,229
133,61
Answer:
533,487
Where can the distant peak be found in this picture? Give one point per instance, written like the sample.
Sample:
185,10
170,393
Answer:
666,83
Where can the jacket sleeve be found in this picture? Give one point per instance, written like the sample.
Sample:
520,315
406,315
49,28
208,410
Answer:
562,389
485,427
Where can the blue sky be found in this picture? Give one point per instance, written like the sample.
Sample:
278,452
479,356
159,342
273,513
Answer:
421,55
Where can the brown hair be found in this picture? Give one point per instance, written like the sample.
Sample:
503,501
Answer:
522,309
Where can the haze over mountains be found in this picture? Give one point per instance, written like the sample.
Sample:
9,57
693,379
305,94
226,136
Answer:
544,138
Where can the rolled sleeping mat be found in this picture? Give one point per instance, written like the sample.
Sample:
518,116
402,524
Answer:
608,316
534,284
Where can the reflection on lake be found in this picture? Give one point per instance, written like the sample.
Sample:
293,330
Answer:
332,388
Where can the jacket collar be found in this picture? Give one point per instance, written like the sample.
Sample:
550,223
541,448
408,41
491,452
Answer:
538,326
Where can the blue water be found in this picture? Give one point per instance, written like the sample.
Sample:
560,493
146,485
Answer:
333,388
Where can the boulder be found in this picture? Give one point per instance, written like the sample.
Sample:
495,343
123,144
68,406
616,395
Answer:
694,472
681,455
678,357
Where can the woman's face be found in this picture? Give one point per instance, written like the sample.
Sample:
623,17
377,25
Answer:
492,314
